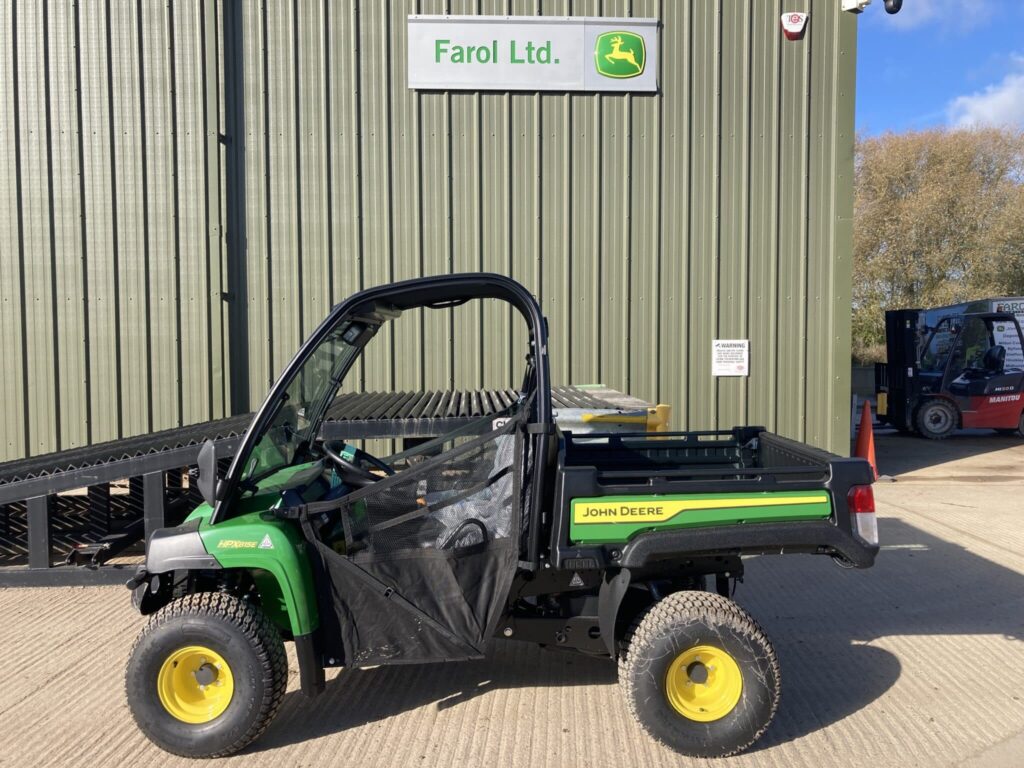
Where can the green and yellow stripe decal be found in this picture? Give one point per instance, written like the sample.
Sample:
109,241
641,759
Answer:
614,519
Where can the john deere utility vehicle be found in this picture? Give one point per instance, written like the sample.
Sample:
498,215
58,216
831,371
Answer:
625,546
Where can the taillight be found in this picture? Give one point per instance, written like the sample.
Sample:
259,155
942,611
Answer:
861,503
861,499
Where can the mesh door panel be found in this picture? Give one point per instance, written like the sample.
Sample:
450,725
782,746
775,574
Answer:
427,556
459,501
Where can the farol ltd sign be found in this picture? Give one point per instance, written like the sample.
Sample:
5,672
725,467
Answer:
533,53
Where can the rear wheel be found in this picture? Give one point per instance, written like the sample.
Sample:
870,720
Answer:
700,676
936,419
206,676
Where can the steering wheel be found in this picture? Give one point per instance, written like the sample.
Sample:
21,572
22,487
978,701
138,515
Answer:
455,536
352,472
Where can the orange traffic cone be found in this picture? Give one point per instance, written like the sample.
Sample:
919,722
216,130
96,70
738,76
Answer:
865,448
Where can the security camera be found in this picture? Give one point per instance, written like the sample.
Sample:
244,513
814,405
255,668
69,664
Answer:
893,6
855,6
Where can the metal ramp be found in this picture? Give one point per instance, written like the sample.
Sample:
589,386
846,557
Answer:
80,516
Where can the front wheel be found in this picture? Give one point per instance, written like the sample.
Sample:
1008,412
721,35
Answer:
700,676
936,419
206,676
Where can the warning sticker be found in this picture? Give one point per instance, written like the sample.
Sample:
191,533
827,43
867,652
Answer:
730,357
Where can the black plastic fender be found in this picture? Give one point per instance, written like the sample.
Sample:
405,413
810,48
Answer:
169,549
180,548
812,536
613,589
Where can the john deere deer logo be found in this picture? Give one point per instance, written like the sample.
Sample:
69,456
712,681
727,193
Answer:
620,54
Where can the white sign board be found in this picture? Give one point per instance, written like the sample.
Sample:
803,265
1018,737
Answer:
532,53
1006,334
730,357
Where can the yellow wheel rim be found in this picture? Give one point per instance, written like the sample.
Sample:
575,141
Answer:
195,684
704,683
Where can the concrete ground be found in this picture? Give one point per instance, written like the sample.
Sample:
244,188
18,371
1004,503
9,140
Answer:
917,662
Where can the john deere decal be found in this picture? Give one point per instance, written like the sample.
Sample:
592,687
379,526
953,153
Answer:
620,54
609,519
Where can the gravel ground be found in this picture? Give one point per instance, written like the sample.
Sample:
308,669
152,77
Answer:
917,662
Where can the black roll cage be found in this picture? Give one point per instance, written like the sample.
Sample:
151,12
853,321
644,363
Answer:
438,292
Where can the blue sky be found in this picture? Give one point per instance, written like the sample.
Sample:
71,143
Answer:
940,63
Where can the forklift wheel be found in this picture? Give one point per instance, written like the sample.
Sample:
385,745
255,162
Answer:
700,675
936,419
206,676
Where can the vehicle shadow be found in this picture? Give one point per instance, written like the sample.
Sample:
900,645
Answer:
901,454
824,620
821,619
362,696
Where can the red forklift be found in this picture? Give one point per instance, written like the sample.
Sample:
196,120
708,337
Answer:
951,371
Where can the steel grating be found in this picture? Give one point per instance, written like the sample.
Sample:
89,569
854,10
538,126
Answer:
91,456
353,415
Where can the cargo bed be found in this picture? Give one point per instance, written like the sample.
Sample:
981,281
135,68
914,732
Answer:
742,491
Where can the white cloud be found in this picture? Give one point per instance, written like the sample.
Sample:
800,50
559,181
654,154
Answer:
1000,105
952,15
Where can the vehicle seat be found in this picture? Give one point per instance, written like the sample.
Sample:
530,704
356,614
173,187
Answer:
489,506
995,359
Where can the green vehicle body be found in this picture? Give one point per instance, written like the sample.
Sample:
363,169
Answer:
275,553
281,571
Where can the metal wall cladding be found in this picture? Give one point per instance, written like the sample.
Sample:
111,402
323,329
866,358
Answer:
188,188
110,232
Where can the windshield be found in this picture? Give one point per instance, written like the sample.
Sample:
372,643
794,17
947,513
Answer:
289,433
933,359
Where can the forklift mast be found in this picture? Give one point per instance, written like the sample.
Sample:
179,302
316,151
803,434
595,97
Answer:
896,380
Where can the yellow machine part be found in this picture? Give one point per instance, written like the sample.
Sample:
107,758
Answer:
655,420
704,683
195,684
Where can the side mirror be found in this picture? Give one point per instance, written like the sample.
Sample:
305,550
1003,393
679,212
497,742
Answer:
208,481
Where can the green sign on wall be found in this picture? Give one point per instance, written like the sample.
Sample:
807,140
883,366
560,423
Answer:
620,54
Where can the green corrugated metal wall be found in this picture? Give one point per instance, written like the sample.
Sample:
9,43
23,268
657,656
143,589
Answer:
188,187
